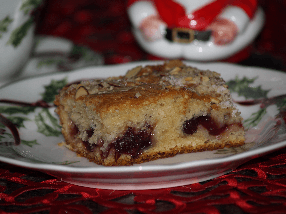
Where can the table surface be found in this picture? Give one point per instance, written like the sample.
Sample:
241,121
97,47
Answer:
258,186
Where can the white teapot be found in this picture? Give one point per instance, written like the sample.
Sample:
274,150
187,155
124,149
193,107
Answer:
200,30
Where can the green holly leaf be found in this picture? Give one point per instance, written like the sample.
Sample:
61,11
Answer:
4,23
9,137
5,136
30,143
243,88
52,90
47,124
29,5
17,121
49,62
255,118
281,104
83,52
20,32
16,109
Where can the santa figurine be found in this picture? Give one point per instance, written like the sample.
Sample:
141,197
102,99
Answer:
200,30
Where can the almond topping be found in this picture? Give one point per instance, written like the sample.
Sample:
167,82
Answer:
133,72
81,91
174,63
175,71
188,79
137,95
214,100
206,79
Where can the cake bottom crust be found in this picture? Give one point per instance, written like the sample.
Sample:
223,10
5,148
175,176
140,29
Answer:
126,160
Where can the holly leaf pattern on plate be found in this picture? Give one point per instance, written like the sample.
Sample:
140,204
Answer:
16,109
255,118
17,120
29,143
243,88
47,124
52,90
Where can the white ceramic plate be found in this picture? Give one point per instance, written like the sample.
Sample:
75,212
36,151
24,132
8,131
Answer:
40,133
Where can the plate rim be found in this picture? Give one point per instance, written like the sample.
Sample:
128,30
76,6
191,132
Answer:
147,168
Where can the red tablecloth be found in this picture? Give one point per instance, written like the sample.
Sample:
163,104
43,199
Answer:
258,186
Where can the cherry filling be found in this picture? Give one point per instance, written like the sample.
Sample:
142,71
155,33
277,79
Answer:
73,129
88,146
133,142
191,126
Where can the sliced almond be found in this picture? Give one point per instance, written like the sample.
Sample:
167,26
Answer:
105,84
188,79
175,70
206,79
214,100
173,63
133,72
137,95
81,91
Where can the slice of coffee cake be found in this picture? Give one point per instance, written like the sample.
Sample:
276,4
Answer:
152,112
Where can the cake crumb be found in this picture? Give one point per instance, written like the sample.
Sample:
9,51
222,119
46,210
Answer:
61,144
